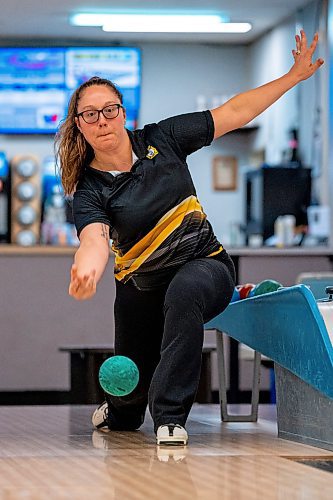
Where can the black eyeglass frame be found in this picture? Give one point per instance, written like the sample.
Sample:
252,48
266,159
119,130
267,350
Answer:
99,111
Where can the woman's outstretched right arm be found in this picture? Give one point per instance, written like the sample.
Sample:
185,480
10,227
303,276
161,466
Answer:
90,260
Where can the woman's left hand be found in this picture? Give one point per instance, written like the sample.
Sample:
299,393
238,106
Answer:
303,67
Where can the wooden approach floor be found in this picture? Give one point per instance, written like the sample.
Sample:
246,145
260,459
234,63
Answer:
51,452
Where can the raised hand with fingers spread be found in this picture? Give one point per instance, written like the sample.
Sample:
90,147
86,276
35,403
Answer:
303,67
244,107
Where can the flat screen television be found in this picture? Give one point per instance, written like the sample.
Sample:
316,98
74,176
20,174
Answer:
36,83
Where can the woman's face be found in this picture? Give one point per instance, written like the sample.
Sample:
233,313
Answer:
105,134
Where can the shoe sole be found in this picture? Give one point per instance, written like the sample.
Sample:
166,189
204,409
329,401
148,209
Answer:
101,426
174,441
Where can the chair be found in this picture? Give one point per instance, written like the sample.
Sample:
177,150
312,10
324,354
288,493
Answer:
287,327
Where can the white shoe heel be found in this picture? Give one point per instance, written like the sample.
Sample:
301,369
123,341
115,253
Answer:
172,434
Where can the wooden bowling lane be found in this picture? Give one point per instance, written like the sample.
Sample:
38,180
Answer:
52,453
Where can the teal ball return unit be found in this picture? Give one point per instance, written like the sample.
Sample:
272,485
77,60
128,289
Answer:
287,327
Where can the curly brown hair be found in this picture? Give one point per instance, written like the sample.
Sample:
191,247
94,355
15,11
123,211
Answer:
72,151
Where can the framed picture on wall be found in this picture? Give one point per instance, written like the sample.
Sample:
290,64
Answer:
225,173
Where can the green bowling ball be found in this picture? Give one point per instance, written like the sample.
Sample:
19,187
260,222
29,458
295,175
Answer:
118,376
266,286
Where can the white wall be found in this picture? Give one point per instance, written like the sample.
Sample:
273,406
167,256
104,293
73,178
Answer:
313,106
303,107
271,58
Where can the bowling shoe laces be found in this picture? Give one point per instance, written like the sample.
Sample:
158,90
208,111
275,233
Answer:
171,434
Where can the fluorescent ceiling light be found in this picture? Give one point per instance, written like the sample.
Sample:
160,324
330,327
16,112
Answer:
180,27
160,23
87,19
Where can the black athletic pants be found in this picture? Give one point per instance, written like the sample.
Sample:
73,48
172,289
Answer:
162,331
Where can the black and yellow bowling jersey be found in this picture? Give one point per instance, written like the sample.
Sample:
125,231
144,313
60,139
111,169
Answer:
156,221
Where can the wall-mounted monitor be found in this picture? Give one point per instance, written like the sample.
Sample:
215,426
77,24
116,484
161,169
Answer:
36,83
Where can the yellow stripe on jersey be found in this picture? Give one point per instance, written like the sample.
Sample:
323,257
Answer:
136,256
217,252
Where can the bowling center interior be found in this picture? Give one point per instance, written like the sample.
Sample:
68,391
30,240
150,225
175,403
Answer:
261,426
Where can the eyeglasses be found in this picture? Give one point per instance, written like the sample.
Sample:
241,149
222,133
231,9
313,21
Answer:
109,112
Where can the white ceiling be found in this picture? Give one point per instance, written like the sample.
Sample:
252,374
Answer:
48,19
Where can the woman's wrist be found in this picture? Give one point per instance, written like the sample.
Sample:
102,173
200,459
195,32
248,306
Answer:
292,78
